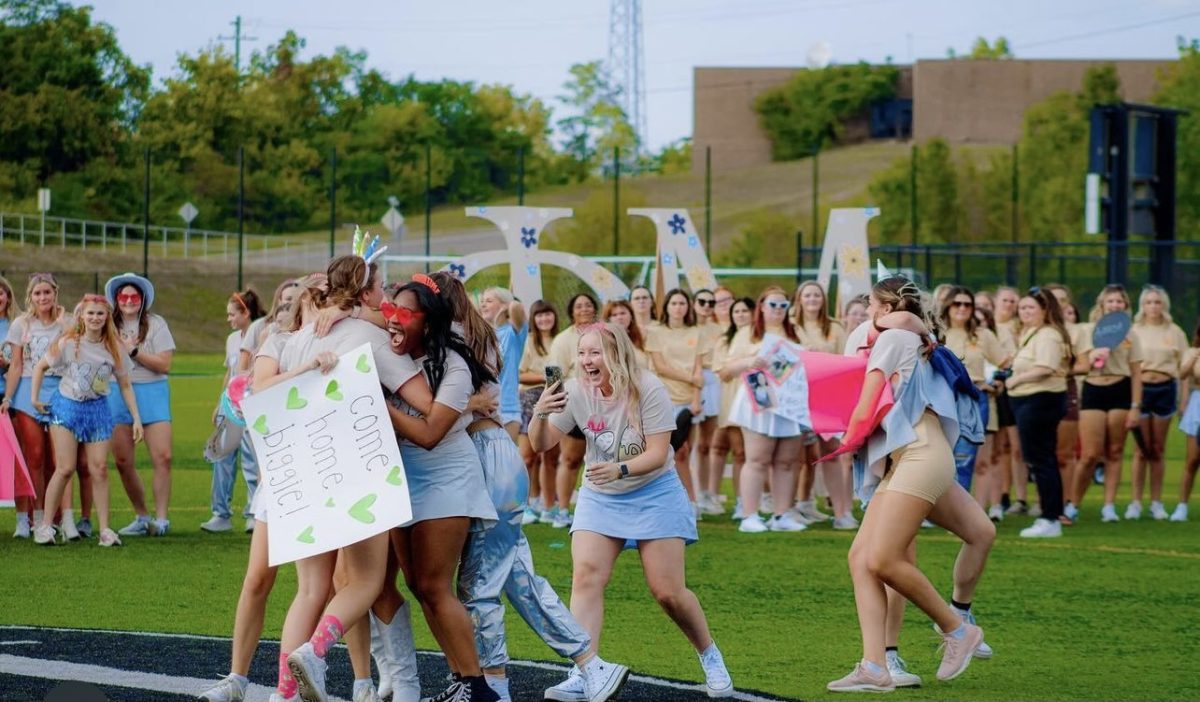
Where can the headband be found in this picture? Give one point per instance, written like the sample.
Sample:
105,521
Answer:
366,247
427,282
240,301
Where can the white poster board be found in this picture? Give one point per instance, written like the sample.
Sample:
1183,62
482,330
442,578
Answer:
786,372
328,458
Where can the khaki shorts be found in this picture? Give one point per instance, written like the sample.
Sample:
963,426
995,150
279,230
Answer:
924,468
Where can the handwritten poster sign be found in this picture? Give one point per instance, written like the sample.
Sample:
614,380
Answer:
787,372
330,464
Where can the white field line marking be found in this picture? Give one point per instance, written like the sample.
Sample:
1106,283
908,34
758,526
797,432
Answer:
19,643
115,677
645,679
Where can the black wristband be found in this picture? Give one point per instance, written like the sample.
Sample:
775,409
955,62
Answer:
624,470
133,353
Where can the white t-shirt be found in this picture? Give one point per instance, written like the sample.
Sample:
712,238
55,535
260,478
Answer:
253,332
303,346
158,339
34,337
454,392
896,352
87,368
612,436
273,346
233,347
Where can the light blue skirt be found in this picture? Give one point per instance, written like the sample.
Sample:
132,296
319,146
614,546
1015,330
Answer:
1189,423
22,399
447,482
710,395
89,420
657,510
153,401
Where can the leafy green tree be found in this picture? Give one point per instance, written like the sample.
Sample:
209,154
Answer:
596,124
982,49
1179,87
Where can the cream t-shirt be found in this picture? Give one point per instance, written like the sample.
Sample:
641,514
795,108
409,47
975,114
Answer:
985,347
1042,347
812,339
679,348
1118,361
1162,347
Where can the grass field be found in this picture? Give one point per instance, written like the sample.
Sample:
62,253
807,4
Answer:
1106,613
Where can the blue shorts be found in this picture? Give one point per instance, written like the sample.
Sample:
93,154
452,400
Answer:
22,399
153,401
89,420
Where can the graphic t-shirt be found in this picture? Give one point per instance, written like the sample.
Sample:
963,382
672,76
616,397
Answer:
616,432
158,339
87,368
34,337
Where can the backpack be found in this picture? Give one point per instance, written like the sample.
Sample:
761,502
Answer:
966,395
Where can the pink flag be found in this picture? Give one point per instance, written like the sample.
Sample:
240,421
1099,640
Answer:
13,482
834,385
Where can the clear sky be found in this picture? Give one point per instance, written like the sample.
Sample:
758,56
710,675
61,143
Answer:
530,44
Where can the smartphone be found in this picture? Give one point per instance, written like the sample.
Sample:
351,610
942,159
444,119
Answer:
554,374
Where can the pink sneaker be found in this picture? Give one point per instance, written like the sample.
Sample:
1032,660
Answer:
863,680
958,651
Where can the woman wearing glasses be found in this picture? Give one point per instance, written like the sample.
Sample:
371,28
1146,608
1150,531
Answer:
711,328
147,340
1109,407
1038,388
773,444
1163,344
643,307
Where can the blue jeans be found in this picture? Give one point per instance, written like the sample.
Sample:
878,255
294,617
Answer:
224,476
965,452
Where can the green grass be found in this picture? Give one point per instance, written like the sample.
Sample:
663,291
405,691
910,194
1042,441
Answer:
1106,613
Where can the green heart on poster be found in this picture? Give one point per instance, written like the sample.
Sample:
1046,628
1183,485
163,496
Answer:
329,503
306,536
362,365
294,401
332,391
361,511
260,425
396,477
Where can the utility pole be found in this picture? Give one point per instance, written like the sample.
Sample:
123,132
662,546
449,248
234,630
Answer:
237,40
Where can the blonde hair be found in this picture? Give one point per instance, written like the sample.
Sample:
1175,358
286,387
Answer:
108,336
506,298
823,319
34,281
310,293
12,309
1098,308
622,364
1140,317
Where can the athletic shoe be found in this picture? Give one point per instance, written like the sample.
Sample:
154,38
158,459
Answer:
1017,507
752,525
1180,513
84,526
365,693
562,520
309,670
737,515
810,512
529,516
862,680
23,530
1071,511
602,680
996,514
229,689
1035,511
959,650
44,535
716,675
784,522
1158,511
1108,513
70,532
983,651
217,525
1098,474
108,537
547,516
898,669
159,527
573,689
846,522
710,505
926,524
1134,510
140,526
1042,529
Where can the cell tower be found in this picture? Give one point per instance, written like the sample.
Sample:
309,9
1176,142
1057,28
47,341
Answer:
625,63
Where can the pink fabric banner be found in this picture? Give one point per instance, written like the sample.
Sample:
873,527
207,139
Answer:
14,483
835,383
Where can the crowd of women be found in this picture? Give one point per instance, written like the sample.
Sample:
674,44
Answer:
617,422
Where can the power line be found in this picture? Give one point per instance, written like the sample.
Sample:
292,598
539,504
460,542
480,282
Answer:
1109,30
237,40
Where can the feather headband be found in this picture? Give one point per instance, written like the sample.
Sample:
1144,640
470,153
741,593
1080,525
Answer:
366,247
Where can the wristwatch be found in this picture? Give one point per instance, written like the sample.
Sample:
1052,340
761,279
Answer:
624,471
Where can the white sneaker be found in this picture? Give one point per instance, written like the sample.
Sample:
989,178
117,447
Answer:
710,505
1071,511
43,535
547,516
926,524
1180,513
309,670
573,689
898,669
229,689
716,675
217,525
784,522
808,509
752,525
23,531
108,537
1042,529
529,516
562,519
70,531
365,693
983,651
1158,511
846,522
159,527
737,515
1134,510
995,513
602,680
140,526
1108,513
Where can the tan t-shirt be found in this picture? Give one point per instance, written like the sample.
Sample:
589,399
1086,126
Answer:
1194,379
1006,332
534,362
1162,347
614,433
679,347
565,350
975,352
1128,351
1042,347
709,335
729,388
812,339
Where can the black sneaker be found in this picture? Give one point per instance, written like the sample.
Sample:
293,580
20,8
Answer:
478,690
457,692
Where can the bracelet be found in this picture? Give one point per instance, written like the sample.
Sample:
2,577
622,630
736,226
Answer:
1135,405
542,415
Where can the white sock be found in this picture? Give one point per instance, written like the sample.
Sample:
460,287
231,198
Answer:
499,685
68,516
22,518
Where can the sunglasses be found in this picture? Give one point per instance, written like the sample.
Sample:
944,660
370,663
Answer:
778,304
705,302
960,303
724,300
395,313
130,298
